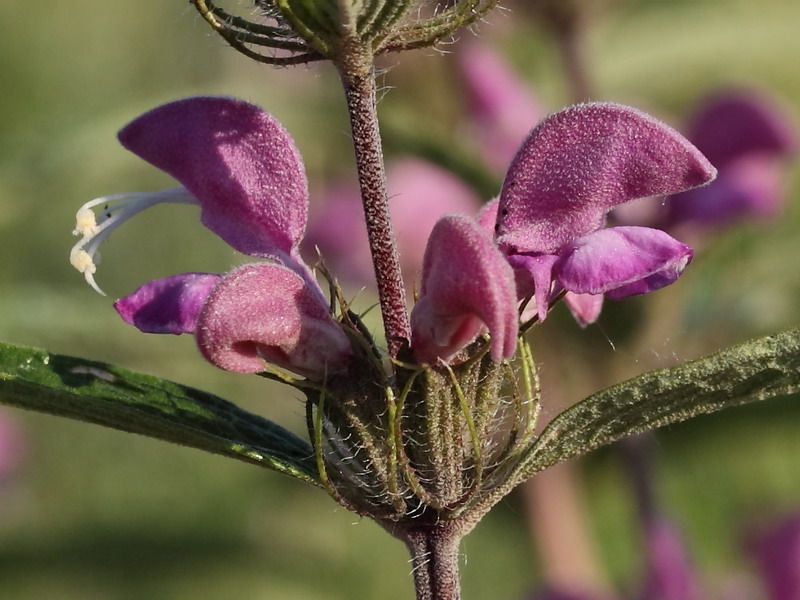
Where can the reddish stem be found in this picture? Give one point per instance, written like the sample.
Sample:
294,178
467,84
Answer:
360,93
434,559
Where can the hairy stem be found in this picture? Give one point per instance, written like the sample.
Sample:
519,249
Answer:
434,559
361,104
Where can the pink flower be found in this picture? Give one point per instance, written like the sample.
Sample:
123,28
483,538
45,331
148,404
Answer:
501,108
466,285
242,169
244,172
419,194
776,550
748,139
572,169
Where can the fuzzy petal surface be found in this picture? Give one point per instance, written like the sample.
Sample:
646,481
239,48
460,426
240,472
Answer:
237,160
266,312
168,305
466,284
621,261
579,163
487,216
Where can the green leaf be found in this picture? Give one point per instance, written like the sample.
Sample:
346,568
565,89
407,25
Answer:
756,370
107,395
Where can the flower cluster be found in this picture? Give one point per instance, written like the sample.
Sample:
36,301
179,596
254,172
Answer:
439,429
544,234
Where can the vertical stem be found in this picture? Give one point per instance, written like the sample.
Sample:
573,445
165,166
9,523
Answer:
434,558
361,105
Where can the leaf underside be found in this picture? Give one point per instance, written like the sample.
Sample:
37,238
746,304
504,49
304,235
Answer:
107,395
756,370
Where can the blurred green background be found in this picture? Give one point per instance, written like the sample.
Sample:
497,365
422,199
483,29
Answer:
92,513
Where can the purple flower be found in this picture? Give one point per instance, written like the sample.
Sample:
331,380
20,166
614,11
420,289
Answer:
242,169
419,194
466,284
748,139
669,575
573,168
501,109
776,550
244,172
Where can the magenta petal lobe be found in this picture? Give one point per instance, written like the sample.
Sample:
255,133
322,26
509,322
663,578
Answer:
466,285
585,308
267,313
237,160
621,261
534,275
168,305
579,163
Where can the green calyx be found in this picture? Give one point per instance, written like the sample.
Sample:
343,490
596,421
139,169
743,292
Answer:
349,33
425,443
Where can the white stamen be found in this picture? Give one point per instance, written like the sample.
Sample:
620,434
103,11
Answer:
115,211
85,223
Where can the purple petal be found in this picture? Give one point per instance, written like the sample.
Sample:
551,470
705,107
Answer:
669,574
534,274
466,284
502,110
777,554
585,308
266,312
487,216
734,123
621,261
579,163
749,187
168,305
237,160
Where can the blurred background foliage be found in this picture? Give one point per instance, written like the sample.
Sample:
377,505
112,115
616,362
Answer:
90,513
